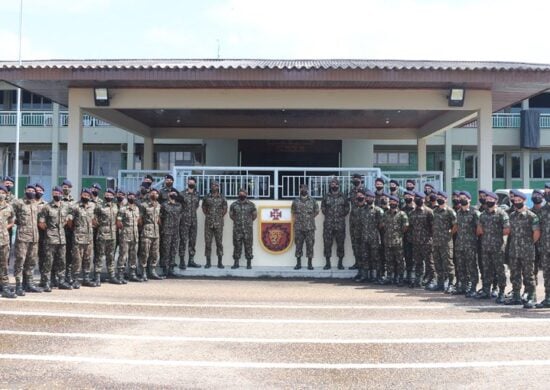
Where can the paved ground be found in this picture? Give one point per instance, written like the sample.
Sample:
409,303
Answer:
212,333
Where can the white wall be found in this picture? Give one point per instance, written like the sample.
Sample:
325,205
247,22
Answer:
357,153
222,152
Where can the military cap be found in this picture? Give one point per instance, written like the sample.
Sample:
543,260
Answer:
492,195
442,194
393,181
537,192
3,188
169,177
87,191
97,186
67,182
547,185
57,189
519,194
418,194
154,190
38,185
30,186
411,181
411,193
110,191
394,198
120,191
466,194
369,193
9,178
379,180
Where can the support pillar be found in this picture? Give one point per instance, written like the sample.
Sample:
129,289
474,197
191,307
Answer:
130,150
55,145
485,148
148,149
448,161
421,145
74,146
525,165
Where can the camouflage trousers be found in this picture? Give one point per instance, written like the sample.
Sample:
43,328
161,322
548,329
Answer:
331,235
169,244
466,266
188,237
82,258
55,260
493,262
546,270
4,258
304,235
370,256
395,262
209,234
443,261
408,253
523,268
25,259
106,248
149,252
42,248
69,239
423,261
356,239
242,238
127,254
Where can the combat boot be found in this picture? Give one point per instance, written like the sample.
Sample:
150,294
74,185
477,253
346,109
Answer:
113,279
86,280
192,264
310,263
76,283
153,274
220,263
235,264
355,265
248,263
483,293
515,299
97,279
531,301
54,281
133,277
340,263
120,276
500,297
360,276
327,264
182,265
372,276
171,274
7,292
545,303
208,263
298,263
19,288
64,285
31,287
494,291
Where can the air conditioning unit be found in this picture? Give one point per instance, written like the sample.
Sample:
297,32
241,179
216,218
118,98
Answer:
456,168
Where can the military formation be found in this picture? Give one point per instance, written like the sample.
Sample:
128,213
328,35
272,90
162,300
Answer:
401,237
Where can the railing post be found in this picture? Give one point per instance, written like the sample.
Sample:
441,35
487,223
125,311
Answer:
276,184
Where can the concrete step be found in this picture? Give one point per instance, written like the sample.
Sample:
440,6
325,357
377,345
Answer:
269,272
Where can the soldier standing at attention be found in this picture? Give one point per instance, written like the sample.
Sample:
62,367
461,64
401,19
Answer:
335,207
410,185
524,233
544,241
188,223
83,221
537,197
395,223
68,199
128,221
40,203
54,218
304,210
430,196
466,246
372,223
170,214
394,190
168,187
353,222
421,222
105,215
494,223
379,191
214,207
243,213
9,184
444,223
6,222
150,236
408,198
358,214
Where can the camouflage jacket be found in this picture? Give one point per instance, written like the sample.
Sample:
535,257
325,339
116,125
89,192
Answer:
150,215
522,225
369,220
98,201
214,208
40,204
164,191
377,197
467,221
55,216
544,220
6,217
304,211
190,204
26,218
408,210
83,216
243,214
353,194
335,207
492,223
394,223
105,215
68,199
10,197
444,220
421,221
170,214
129,216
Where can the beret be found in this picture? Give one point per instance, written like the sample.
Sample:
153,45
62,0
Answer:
393,181
154,190
429,185
67,182
110,191
149,177
369,193
537,192
492,195
38,185
482,192
169,177
86,190
9,178
519,194
30,186
97,186
356,176
411,193
57,189
379,180
442,193
456,193
418,194
394,198
466,194
411,181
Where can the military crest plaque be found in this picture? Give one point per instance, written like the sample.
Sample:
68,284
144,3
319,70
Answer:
275,229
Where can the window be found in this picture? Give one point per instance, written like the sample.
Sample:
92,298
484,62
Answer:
101,162
499,162
540,165
516,166
391,158
470,165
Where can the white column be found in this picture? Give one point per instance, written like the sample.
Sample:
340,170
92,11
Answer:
55,144
448,161
421,145
485,148
130,150
357,153
74,147
525,165
148,150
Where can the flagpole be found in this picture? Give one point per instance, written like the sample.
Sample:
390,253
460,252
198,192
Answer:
18,125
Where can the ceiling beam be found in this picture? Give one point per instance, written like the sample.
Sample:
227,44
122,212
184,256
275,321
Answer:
448,120
120,120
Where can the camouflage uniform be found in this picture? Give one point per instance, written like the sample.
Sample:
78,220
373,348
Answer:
150,234
188,224
492,246
6,217
170,215
98,202
105,215
545,246
408,244
394,223
522,250
69,237
466,248
83,215
304,210
421,222
129,216
243,213
354,229
369,219
214,207
444,220
538,249
164,192
26,240
41,238
335,207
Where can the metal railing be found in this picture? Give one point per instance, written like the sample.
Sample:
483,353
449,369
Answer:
131,179
511,120
433,177
45,119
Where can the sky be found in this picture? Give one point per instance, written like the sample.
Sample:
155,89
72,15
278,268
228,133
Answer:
482,30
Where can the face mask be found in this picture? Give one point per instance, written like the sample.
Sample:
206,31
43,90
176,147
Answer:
56,198
379,188
370,202
95,192
547,197
84,200
2,197
334,188
408,200
440,201
143,191
303,192
410,188
419,202
39,195
356,182
519,205
147,184
120,199
168,184
9,187
455,202
108,200
29,195
131,200
427,191
433,197
490,204
66,191
537,200
360,199
191,185
242,197
393,189
383,202
464,202
482,200
215,190
173,196
393,206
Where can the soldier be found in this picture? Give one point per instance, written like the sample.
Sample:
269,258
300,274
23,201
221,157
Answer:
166,188
105,215
214,207
353,222
243,214
9,183
83,221
128,221
188,224
150,236
395,223
304,210
481,207
53,219
382,274
6,222
394,190
537,197
95,189
120,198
145,188
444,223
26,241
68,199
335,207
170,215
544,241
370,220
524,233
466,247
421,222
408,199
494,223
410,185
379,191
40,203
456,201
431,196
